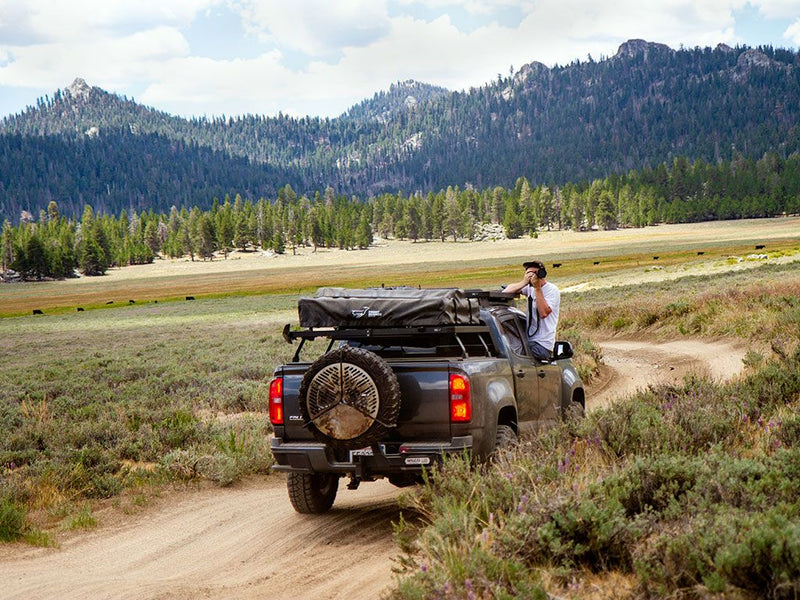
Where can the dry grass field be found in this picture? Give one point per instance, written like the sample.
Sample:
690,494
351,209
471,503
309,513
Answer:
623,256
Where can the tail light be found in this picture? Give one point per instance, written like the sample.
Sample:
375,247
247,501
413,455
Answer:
276,401
460,400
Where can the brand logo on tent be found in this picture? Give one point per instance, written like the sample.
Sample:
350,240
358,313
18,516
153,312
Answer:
365,311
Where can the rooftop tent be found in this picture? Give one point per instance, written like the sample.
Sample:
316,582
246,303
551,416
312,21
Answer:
388,307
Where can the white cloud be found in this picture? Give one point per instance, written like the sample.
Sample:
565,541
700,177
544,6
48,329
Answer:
792,33
313,27
476,7
24,22
777,9
103,61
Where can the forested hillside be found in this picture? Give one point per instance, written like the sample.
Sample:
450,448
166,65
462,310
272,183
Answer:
641,108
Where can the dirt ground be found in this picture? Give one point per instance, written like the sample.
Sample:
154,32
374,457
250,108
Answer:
247,542
630,365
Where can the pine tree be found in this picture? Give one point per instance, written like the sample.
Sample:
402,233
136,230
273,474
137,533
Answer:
204,242
511,222
6,245
152,237
92,258
364,232
278,241
605,215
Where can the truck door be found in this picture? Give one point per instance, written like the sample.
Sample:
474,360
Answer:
536,383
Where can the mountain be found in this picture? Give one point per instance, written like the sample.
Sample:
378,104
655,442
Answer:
646,105
401,97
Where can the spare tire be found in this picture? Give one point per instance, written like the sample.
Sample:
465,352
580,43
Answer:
349,398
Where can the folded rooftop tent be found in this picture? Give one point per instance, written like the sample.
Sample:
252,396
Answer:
388,307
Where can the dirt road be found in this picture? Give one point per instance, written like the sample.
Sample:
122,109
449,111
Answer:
241,542
247,542
635,364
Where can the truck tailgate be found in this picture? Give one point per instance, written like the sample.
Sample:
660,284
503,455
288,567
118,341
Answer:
424,390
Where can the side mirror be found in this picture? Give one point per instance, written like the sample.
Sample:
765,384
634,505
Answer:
562,350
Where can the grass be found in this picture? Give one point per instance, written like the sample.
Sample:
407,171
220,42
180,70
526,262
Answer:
682,491
97,403
755,305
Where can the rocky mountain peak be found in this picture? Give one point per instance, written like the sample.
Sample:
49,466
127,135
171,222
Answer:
79,89
530,71
633,48
754,58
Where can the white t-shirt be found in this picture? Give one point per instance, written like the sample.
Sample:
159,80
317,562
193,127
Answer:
546,335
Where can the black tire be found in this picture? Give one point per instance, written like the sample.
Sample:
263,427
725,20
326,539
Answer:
349,398
505,440
575,411
312,493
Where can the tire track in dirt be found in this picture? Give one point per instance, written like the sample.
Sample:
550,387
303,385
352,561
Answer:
241,542
630,365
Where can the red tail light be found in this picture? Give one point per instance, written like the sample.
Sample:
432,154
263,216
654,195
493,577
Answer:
276,401
460,400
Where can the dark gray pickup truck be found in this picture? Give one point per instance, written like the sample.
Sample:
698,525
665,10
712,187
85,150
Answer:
408,375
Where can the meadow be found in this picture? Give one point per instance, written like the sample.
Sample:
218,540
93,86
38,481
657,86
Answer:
622,256
119,401
101,402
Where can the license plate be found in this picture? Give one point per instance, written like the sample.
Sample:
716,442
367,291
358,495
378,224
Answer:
418,460
365,452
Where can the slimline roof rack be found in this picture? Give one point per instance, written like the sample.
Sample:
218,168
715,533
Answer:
377,335
491,298
371,315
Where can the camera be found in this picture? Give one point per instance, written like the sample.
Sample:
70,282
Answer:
540,272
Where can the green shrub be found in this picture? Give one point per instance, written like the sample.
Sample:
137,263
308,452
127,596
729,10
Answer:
177,430
684,487
727,550
84,519
13,517
582,532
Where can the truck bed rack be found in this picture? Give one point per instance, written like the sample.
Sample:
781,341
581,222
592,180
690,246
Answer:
465,336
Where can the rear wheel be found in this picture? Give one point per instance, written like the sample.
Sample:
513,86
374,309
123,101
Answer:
505,438
504,441
312,493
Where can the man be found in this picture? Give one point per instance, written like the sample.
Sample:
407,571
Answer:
544,300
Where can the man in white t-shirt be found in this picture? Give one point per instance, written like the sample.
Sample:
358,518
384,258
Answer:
544,300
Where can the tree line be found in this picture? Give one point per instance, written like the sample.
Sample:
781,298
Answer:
55,245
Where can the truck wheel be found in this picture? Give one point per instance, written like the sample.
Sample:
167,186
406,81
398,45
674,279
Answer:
349,398
505,437
504,441
312,493
575,410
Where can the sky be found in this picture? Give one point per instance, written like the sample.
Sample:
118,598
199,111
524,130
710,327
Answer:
320,57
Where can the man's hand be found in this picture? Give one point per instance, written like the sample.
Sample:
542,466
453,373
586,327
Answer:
532,279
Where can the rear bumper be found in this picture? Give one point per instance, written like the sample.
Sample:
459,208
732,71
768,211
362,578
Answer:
311,457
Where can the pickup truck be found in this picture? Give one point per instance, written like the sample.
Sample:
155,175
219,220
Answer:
406,377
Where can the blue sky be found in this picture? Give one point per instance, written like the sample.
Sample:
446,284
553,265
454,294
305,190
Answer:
319,57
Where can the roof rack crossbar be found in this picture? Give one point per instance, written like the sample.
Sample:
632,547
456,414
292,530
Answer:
382,332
